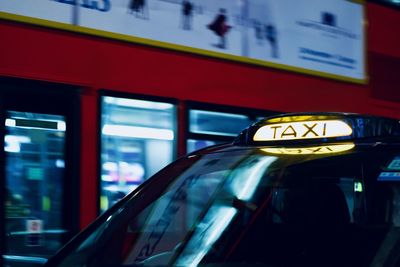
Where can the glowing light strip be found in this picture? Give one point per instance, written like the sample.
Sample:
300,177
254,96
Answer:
135,103
302,130
138,132
309,150
61,125
245,182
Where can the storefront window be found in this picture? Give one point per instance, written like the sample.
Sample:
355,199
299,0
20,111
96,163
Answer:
137,140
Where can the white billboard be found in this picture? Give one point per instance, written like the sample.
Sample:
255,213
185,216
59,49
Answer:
311,36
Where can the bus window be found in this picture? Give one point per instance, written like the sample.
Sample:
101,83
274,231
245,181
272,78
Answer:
35,167
137,140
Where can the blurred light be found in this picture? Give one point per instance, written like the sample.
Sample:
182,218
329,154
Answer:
129,149
130,172
108,178
137,103
136,171
125,189
358,187
10,122
17,138
207,233
103,202
13,142
222,219
60,163
112,188
12,148
46,203
110,166
246,180
61,126
309,150
138,132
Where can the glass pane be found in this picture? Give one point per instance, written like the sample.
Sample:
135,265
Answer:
193,145
217,123
137,140
34,147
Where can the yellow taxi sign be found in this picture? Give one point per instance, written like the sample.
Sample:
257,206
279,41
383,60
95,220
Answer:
328,149
302,130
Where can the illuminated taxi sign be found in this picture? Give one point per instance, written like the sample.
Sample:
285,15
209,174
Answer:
302,130
330,149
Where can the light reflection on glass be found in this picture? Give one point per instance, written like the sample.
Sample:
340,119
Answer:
58,125
326,149
208,231
246,179
138,132
135,103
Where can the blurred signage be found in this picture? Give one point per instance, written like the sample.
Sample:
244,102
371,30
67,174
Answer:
34,230
325,40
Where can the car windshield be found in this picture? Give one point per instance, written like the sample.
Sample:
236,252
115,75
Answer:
248,206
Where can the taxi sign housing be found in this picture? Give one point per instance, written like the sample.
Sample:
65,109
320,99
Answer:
318,128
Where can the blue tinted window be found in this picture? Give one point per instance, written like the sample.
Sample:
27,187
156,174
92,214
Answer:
193,145
217,123
137,140
34,147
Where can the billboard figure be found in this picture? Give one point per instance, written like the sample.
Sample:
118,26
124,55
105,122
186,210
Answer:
220,28
139,8
187,14
258,31
272,37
